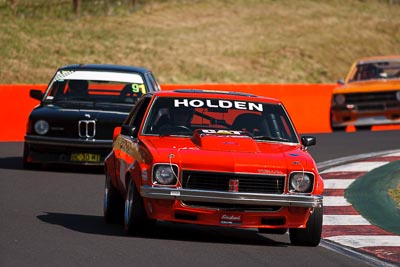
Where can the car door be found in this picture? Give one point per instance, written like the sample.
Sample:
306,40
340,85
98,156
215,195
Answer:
128,139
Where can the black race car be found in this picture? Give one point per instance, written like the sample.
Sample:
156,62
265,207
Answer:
74,122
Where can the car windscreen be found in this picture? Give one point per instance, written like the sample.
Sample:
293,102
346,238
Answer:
377,70
181,116
99,87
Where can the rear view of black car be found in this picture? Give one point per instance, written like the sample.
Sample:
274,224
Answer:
74,122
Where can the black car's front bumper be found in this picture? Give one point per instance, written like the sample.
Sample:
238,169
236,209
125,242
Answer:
40,149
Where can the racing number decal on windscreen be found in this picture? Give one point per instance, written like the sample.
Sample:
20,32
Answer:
136,88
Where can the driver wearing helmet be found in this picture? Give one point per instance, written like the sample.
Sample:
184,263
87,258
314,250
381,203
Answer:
181,116
78,88
178,121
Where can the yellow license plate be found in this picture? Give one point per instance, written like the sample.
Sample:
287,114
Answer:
85,157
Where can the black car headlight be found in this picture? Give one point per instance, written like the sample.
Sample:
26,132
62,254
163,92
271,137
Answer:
301,182
41,127
165,174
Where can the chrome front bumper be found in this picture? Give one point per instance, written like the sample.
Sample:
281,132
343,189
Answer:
307,201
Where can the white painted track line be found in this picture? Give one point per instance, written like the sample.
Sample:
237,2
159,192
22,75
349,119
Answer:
337,183
364,166
359,241
344,220
335,201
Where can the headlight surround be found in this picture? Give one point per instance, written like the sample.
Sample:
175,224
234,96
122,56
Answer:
339,99
165,174
41,127
301,182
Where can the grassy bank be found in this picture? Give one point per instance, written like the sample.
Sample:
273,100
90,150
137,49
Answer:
209,41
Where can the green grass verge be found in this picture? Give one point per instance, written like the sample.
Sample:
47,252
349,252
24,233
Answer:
370,195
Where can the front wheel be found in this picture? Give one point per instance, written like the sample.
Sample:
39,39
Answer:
311,235
135,217
333,127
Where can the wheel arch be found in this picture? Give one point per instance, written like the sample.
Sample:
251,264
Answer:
133,172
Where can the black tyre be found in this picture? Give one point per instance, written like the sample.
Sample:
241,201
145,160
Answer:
311,235
113,203
338,128
335,128
135,217
363,128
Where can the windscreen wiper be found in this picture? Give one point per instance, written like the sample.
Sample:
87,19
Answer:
270,138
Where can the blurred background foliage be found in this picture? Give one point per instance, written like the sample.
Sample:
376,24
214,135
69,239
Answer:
197,41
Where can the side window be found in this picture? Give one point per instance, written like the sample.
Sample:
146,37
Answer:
137,114
278,122
57,88
155,86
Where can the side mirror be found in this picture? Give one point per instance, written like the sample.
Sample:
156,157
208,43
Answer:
36,94
117,131
128,130
341,82
307,141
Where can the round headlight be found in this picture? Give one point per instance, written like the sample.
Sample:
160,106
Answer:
41,127
300,182
340,99
164,174
398,95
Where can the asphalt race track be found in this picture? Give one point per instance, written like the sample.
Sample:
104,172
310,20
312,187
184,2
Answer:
54,218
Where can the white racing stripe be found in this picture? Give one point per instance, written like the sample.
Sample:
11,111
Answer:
335,201
364,166
337,183
359,241
344,220
104,76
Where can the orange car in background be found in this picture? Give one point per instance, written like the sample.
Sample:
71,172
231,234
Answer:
369,95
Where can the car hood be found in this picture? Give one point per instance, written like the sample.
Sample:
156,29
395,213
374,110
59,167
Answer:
64,121
230,154
368,86
76,112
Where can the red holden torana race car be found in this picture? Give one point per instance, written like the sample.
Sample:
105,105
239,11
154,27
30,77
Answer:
213,158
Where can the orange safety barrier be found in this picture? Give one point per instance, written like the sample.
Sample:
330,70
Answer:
307,104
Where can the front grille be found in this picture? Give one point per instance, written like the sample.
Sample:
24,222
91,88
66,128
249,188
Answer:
378,97
372,107
249,183
87,128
